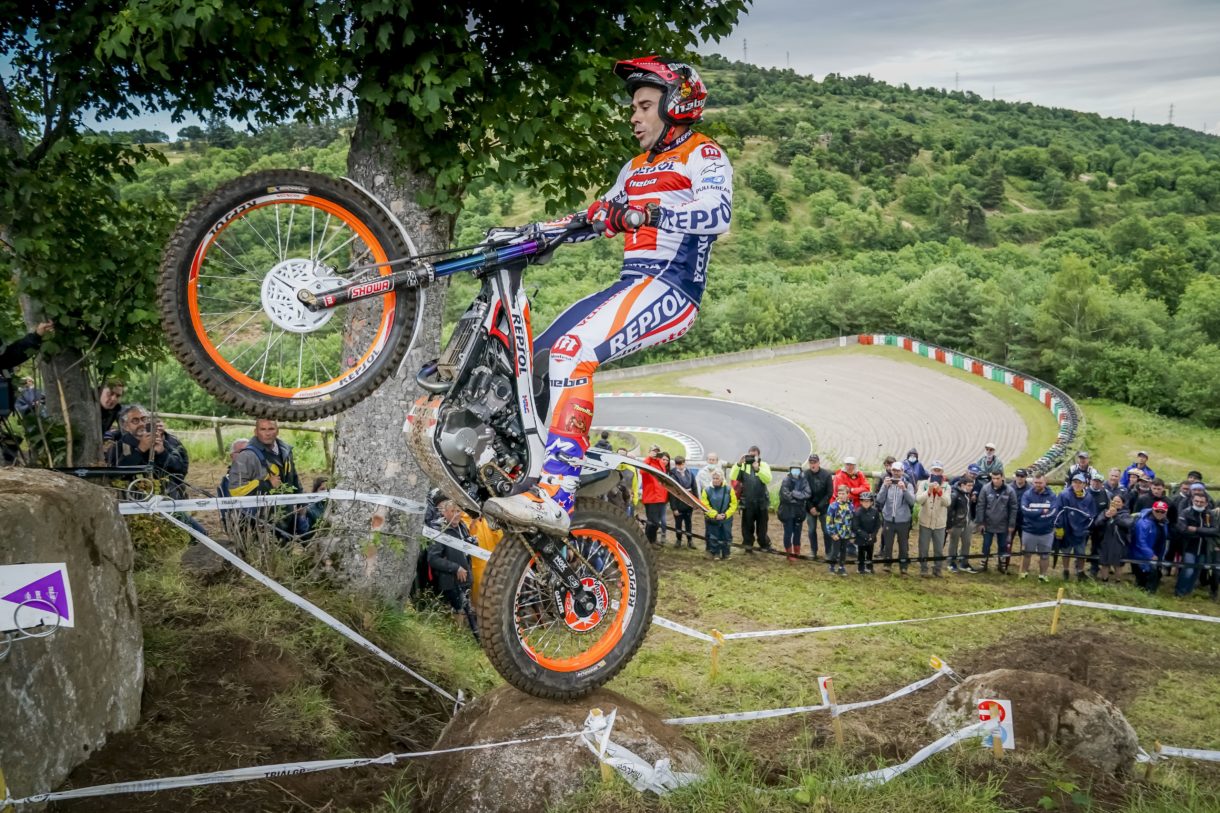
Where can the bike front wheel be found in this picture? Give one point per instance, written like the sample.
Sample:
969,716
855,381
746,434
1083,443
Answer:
529,626
229,285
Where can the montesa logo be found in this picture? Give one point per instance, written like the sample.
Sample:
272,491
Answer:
370,288
710,151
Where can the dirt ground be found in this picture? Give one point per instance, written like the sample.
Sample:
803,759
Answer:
869,406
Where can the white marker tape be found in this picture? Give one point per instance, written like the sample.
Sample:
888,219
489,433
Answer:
295,600
1123,608
803,630
282,770
1189,753
883,775
659,777
159,504
676,627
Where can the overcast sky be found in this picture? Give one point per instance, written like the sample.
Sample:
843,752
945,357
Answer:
1101,56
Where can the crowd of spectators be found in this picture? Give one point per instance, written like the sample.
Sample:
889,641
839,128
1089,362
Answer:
1096,527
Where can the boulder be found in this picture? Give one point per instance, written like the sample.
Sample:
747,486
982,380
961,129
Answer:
63,695
536,776
198,561
1047,710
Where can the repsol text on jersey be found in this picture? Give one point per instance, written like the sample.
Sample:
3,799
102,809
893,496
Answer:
658,313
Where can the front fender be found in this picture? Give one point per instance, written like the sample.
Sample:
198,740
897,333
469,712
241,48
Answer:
600,460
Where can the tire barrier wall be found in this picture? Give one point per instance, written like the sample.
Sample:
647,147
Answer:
1065,410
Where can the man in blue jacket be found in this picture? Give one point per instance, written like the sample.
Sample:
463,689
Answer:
1149,538
1075,511
1140,465
1037,526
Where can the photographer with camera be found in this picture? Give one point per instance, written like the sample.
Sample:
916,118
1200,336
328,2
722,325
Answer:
934,498
750,478
896,499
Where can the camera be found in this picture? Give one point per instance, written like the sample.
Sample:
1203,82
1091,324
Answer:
748,460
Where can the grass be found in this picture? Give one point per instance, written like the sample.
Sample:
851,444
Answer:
1115,432
201,445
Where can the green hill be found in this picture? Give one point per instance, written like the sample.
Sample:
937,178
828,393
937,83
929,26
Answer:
1080,249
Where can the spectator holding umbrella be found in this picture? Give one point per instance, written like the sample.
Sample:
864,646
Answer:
1141,464
821,492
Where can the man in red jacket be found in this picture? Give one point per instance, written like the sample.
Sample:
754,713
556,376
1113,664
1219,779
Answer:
655,496
851,477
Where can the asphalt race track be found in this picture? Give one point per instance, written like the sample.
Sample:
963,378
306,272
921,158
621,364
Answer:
706,425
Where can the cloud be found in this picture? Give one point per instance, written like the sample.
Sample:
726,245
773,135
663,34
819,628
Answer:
1102,56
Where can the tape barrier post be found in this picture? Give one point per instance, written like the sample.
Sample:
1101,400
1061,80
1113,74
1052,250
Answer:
835,723
717,645
596,721
1058,608
659,777
1156,754
997,745
295,600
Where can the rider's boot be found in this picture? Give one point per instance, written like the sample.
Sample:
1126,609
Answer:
547,506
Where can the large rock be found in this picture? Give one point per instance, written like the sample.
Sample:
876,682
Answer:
1047,710
534,776
65,694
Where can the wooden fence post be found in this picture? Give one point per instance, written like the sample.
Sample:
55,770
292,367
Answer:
220,438
1058,607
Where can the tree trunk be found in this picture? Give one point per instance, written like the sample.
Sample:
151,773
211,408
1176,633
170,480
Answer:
65,377
375,550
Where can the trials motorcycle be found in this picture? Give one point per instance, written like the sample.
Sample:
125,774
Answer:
292,295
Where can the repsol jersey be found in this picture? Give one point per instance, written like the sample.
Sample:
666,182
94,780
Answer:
692,184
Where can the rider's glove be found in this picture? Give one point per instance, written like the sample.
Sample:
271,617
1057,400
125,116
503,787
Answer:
616,217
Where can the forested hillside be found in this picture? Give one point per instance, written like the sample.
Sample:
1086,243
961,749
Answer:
1080,249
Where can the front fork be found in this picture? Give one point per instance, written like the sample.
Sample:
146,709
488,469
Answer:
550,551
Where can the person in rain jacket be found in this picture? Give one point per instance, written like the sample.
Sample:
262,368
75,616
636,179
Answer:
914,469
793,496
839,524
720,504
1075,510
1149,538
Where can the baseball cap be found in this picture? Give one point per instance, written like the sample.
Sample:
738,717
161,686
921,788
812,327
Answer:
896,466
813,458
937,466
1198,487
654,448
1021,473
1160,505
989,445
1096,476
974,468
1082,453
1080,477
1141,454
849,461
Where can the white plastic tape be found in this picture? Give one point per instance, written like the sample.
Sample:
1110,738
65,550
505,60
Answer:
1189,753
454,542
883,775
295,600
676,627
803,630
659,777
740,716
264,772
159,504
1123,608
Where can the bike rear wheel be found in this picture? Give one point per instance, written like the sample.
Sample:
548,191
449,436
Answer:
529,627
228,295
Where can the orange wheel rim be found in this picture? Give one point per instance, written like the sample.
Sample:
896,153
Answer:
379,340
612,633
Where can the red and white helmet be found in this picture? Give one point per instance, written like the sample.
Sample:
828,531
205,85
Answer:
683,93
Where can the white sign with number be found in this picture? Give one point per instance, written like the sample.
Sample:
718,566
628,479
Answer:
35,595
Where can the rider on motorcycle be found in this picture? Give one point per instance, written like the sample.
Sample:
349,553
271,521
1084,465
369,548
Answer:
682,186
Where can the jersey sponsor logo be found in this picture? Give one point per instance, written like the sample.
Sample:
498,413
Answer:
710,151
656,314
698,219
521,342
566,345
712,179
565,382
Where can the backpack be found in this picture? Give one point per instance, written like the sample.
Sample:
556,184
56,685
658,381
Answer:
224,490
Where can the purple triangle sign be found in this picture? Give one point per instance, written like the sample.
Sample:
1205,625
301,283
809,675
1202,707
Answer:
49,588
